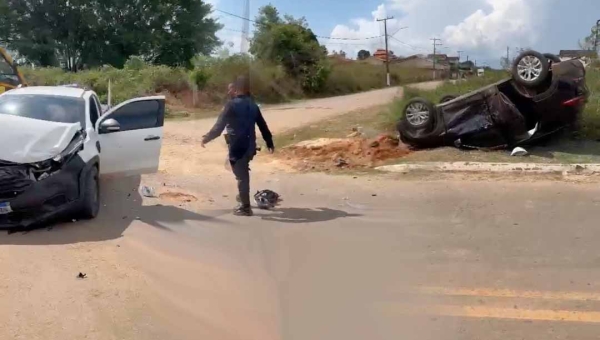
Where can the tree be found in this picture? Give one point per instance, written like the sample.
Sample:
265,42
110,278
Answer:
96,32
363,54
289,42
588,42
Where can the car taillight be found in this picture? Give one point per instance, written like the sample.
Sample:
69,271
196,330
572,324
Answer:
574,102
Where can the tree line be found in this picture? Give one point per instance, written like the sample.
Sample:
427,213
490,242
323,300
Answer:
91,33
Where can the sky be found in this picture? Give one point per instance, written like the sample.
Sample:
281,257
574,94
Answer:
481,29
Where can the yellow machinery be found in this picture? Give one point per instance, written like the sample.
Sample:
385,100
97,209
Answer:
10,77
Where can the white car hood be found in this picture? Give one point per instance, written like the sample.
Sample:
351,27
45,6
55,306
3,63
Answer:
26,140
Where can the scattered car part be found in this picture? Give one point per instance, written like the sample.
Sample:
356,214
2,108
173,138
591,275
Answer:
266,199
147,191
519,151
530,68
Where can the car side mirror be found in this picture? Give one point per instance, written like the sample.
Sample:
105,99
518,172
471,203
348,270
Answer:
110,125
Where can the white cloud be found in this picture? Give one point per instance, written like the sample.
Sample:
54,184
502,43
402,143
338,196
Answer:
482,28
508,22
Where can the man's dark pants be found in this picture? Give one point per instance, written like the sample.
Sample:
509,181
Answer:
241,170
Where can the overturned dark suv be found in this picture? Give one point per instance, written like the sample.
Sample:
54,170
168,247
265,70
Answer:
543,96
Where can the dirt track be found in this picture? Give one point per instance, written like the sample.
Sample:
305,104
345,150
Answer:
137,283
182,138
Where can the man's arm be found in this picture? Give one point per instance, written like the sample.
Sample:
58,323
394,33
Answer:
264,130
219,126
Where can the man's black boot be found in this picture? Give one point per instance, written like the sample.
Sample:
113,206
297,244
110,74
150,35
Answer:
243,210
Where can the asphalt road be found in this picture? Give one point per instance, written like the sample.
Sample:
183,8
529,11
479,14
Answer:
342,258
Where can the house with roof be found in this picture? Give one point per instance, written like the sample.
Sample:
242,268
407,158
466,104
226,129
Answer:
586,56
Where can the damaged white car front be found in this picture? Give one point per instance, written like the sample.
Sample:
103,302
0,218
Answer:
42,163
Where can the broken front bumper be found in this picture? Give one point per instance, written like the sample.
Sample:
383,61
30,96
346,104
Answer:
25,203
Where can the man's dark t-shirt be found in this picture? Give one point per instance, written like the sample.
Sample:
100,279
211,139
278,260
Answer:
239,116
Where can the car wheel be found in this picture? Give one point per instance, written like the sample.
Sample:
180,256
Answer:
419,113
90,203
448,98
530,68
552,57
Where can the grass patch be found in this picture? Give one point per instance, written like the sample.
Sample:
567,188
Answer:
370,122
270,83
557,152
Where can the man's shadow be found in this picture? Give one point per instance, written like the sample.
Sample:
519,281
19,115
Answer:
121,204
305,215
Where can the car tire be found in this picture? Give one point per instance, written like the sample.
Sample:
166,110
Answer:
552,57
448,98
418,113
90,201
530,69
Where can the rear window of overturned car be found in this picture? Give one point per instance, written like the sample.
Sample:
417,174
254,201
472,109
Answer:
59,109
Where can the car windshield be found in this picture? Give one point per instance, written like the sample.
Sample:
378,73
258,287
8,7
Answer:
44,107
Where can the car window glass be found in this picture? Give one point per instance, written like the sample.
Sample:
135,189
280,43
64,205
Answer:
93,110
44,107
138,115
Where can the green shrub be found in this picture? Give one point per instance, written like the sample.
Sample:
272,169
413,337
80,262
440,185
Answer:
135,63
200,78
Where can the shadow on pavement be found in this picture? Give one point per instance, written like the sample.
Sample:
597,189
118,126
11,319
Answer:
306,215
121,205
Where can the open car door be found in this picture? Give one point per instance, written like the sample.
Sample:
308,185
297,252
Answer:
130,136
10,77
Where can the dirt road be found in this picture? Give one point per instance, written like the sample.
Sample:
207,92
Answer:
182,153
343,258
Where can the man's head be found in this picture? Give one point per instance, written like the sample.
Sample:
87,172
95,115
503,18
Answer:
231,90
242,86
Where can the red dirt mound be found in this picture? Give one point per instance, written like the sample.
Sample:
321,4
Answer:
344,153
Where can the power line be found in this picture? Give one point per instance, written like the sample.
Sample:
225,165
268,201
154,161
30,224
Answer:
234,15
398,30
416,48
318,36
351,39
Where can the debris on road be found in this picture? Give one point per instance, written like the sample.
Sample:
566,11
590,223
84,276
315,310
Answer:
344,153
519,151
267,199
81,275
147,191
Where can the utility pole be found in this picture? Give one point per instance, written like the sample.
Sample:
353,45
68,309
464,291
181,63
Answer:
435,45
387,52
459,52
245,28
507,56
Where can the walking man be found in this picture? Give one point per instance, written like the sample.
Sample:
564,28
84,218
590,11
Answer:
240,116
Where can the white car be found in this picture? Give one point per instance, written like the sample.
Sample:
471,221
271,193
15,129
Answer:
56,141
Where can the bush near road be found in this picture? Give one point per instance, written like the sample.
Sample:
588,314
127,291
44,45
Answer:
590,120
270,83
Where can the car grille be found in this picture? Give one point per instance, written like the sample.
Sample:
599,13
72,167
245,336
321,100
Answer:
13,181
